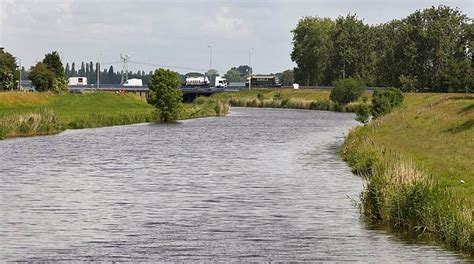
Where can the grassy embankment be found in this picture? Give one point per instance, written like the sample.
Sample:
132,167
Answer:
285,98
418,163
29,114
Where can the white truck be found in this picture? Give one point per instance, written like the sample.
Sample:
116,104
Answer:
197,81
133,82
77,81
221,82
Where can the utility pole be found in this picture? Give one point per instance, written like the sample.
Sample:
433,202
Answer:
125,58
250,68
97,68
19,80
210,65
210,57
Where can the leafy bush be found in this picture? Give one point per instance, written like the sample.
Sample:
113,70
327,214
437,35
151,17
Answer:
346,91
408,83
385,100
363,113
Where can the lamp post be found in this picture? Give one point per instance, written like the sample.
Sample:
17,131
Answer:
250,68
97,68
210,56
19,80
210,64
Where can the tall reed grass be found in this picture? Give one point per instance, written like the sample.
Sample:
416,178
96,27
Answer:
204,107
400,195
41,122
290,103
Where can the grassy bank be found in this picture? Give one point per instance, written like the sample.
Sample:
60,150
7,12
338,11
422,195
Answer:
284,98
28,114
419,170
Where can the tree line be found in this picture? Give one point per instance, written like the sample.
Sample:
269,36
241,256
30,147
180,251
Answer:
107,76
429,50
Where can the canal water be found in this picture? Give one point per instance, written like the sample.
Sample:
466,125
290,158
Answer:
257,185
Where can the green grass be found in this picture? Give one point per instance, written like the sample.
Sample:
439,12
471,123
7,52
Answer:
418,163
87,110
284,98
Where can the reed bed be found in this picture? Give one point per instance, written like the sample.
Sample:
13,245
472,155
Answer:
404,197
42,122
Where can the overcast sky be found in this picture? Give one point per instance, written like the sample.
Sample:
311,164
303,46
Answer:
177,33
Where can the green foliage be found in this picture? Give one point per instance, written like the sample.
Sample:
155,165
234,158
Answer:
42,78
54,64
165,94
363,113
312,43
234,76
429,50
385,100
408,83
212,74
286,77
346,91
8,71
49,74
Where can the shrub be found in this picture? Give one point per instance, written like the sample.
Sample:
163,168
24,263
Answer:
408,83
385,100
363,113
346,91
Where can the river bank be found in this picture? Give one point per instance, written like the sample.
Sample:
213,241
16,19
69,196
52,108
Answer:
310,99
31,114
418,167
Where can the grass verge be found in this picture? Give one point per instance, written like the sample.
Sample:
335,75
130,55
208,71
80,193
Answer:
418,167
29,114
284,98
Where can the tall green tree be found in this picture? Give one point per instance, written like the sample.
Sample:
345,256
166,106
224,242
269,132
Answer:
165,94
73,70
312,43
8,71
234,75
287,77
82,70
54,64
67,70
352,45
42,77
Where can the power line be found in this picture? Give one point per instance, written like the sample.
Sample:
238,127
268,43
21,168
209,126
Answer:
170,66
125,58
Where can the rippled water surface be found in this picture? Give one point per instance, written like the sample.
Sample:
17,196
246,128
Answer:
257,185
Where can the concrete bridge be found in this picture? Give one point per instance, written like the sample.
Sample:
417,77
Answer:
189,93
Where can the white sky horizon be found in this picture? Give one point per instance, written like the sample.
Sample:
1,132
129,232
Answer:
178,33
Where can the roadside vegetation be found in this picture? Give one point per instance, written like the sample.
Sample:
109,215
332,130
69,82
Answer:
286,98
418,165
29,114
429,50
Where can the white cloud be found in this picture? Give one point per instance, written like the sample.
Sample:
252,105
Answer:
227,25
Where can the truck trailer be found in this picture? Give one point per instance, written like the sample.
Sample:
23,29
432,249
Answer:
77,81
134,82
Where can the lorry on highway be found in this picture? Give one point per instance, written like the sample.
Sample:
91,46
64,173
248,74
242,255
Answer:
77,81
266,81
220,82
134,82
197,81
